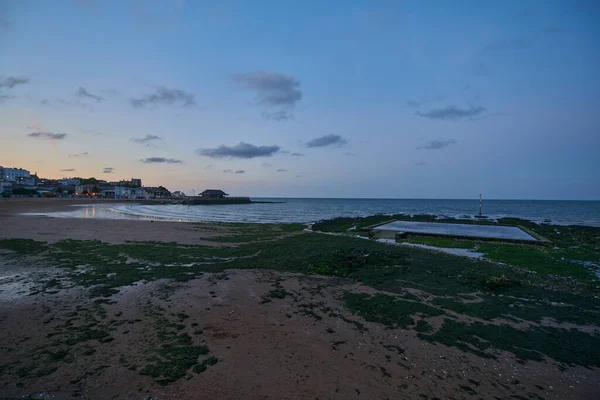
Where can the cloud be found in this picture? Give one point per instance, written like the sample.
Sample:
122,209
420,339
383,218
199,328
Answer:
267,165
11,81
147,140
79,154
240,150
165,95
425,100
327,140
297,155
282,170
84,93
421,163
62,102
68,170
436,144
209,166
48,135
108,170
349,154
278,115
230,171
158,160
298,176
452,113
277,93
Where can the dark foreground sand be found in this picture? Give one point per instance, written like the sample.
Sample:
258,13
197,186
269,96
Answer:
304,346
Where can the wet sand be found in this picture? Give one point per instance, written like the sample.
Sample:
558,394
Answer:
304,346
49,229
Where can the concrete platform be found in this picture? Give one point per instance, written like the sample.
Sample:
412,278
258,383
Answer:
512,233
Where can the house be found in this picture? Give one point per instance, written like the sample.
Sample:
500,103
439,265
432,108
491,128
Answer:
213,194
86,189
130,193
17,175
5,188
178,194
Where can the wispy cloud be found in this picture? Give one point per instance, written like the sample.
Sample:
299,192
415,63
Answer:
240,150
267,165
82,92
421,163
79,154
437,144
48,135
282,170
108,170
159,160
68,170
277,93
11,81
164,95
63,102
297,155
209,166
327,140
230,171
148,140
452,113
349,154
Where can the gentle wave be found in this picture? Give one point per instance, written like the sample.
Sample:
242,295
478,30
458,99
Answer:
313,210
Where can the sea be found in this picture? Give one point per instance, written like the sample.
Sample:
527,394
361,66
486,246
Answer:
307,210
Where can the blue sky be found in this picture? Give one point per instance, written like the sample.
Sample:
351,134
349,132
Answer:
413,99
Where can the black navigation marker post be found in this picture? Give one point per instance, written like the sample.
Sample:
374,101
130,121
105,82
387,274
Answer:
480,215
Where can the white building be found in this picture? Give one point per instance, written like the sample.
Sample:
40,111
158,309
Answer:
17,175
130,193
5,187
69,182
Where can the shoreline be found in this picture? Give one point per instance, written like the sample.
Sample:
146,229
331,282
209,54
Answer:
170,310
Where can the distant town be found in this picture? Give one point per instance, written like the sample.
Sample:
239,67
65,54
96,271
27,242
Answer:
19,182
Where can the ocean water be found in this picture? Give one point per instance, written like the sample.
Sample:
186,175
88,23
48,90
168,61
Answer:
312,210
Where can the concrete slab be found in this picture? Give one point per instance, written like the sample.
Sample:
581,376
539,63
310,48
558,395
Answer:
463,230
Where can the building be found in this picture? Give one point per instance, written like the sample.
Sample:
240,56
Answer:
136,182
5,188
130,193
178,194
213,194
18,176
87,189
157,192
66,182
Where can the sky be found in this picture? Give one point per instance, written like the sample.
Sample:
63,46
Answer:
366,99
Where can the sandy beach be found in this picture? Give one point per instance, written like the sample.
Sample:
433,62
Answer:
49,229
253,333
